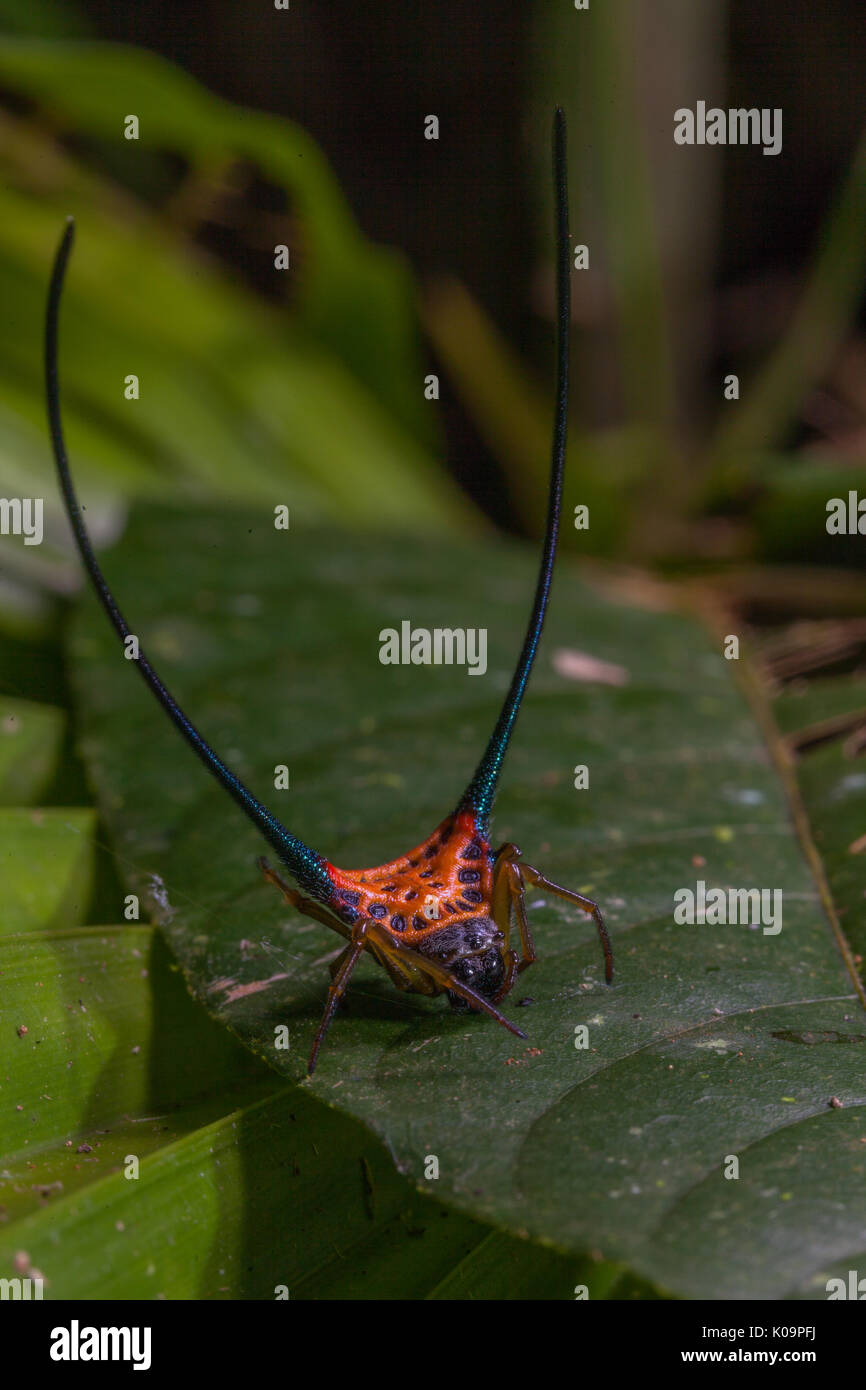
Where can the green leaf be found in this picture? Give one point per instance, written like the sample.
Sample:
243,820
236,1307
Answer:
242,1184
46,866
713,1041
272,1194
831,776
805,705
30,739
84,1048
791,516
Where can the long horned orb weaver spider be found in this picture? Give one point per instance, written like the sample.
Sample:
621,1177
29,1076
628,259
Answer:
439,919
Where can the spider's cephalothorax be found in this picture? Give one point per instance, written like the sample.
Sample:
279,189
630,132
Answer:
450,916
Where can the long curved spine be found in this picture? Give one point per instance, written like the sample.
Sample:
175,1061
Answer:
479,795
306,866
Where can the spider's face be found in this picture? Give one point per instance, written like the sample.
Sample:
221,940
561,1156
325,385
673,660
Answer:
473,951
484,972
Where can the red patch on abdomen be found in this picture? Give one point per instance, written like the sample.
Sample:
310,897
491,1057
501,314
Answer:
451,869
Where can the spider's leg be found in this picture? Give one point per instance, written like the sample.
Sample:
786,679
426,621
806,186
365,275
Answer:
337,988
500,911
404,977
586,904
308,906
337,962
334,969
508,884
500,903
512,970
439,975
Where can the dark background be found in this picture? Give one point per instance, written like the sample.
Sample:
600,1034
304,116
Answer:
361,79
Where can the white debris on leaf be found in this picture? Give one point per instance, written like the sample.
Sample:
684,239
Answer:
158,893
580,666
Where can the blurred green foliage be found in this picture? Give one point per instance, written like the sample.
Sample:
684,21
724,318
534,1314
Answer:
319,406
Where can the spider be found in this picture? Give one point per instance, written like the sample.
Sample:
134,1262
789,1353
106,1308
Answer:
442,918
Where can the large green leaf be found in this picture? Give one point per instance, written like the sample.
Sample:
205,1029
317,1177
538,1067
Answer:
242,1183
713,1041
